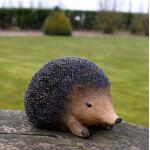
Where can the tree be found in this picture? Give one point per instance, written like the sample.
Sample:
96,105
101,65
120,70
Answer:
57,23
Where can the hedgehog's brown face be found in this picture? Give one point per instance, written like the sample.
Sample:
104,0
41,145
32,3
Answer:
92,107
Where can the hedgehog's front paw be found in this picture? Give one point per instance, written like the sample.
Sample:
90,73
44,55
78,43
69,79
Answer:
81,131
85,132
77,129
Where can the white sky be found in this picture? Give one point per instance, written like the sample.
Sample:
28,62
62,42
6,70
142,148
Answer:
92,5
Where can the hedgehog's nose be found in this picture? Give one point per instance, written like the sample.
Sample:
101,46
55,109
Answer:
118,120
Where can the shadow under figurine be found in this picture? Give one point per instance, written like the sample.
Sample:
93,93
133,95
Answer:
70,93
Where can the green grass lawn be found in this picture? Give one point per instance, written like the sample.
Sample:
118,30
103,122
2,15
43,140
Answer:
123,58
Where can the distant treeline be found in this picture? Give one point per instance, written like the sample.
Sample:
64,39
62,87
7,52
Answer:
108,22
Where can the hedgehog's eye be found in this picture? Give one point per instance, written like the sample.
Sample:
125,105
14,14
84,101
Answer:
88,104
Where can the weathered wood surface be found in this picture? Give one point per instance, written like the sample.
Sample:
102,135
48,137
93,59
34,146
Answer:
17,134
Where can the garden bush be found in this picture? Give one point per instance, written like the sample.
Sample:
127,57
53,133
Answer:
57,23
145,25
126,21
106,21
136,25
140,25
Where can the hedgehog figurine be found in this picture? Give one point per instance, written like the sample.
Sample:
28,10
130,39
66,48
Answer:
70,93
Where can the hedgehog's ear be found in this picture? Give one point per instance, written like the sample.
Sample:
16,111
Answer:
79,89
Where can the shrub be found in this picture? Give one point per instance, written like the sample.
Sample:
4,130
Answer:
136,25
57,23
106,21
140,25
123,21
145,25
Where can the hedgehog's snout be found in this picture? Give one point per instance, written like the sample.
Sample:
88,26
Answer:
109,126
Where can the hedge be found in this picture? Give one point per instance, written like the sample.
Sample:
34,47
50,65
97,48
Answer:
34,18
23,18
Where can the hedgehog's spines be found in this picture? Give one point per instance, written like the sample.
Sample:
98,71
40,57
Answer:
46,97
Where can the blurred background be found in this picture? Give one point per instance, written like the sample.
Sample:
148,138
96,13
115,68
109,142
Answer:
111,33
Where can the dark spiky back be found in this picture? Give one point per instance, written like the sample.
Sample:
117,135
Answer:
46,96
